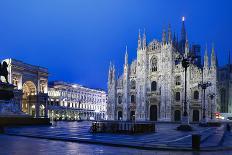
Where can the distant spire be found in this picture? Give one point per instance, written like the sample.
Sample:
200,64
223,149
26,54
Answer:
213,60
206,61
139,41
169,34
174,38
164,36
183,35
144,40
183,31
110,73
126,57
186,46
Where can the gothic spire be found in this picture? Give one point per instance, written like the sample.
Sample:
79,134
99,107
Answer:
213,60
126,57
164,36
144,40
169,34
206,62
174,38
186,46
139,41
183,31
110,73
183,36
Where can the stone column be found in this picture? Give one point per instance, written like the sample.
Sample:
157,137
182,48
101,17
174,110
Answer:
46,107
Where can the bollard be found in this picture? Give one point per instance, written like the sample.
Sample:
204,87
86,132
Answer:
196,141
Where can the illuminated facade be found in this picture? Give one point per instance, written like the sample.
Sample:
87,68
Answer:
152,86
69,101
31,87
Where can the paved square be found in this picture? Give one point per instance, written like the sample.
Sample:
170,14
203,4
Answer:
166,135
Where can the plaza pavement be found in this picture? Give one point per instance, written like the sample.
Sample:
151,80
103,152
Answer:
17,145
166,136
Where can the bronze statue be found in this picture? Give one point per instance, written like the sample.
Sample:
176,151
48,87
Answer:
3,71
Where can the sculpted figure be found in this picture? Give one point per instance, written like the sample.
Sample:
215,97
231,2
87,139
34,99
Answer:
3,70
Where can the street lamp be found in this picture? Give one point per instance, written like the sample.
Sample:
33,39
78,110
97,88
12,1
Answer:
185,60
211,96
203,86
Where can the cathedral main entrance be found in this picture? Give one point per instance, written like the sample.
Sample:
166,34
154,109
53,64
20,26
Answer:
177,115
195,115
153,113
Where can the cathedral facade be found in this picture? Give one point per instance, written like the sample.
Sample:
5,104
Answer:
151,88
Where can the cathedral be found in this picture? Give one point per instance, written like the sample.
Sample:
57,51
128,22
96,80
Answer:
152,87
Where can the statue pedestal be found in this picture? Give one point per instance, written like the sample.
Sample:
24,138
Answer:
9,108
10,112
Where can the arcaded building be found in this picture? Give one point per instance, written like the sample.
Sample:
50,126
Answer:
31,87
70,101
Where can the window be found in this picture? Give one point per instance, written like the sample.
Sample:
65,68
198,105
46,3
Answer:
178,80
153,86
177,96
196,95
133,84
119,99
153,64
132,98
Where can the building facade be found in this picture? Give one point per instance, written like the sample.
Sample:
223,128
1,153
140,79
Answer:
152,86
68,101
31,87
225,87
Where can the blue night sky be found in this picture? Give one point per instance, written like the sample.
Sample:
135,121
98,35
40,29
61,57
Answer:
77,39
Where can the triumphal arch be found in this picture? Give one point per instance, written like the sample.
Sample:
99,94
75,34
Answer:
31,86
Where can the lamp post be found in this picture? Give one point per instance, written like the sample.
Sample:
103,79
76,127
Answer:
185,60
204,86
211,96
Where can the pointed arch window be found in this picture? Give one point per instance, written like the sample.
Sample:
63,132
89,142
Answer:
132,98
153,86
153,64
119,99
177,96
